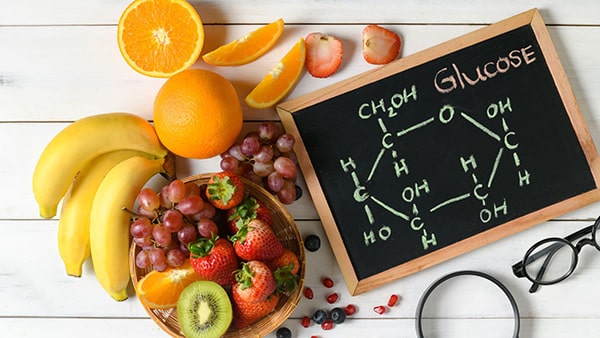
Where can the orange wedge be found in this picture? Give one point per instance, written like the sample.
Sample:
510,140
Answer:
247,48
280,80
161,290
160,38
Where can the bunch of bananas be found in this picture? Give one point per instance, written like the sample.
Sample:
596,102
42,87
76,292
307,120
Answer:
97,165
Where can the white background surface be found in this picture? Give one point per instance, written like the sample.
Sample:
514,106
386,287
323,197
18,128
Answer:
59,61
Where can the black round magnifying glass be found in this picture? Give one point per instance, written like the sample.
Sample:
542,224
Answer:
434,285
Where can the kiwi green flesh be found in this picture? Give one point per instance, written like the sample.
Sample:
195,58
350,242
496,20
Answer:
204,310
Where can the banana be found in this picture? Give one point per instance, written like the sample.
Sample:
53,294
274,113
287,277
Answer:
81,141
74,222
109,223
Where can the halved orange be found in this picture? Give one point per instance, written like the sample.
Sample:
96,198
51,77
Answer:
160,38
280,80
161,290
247,48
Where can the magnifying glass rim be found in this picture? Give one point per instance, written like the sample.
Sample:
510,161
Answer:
431,288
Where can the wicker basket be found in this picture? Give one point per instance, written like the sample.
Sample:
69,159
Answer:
287,232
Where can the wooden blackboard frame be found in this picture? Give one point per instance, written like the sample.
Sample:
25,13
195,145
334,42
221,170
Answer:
529,18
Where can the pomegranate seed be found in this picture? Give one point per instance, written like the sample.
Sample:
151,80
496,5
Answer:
308,293
314,336
305,321
380,309
393,300
350,309
327,325
332,298
328,282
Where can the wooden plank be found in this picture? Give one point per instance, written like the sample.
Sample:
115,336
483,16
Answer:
37,286
95,12
403,327
82,72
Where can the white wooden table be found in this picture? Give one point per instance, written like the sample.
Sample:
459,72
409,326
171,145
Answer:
59,62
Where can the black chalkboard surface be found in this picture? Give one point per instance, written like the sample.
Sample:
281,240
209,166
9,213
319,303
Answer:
444,151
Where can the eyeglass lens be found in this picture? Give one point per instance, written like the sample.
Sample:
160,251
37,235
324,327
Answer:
550,261
553,260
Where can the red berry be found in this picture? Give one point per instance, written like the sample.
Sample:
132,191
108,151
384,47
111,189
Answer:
327,282
327,324
332,298
305,321
393,300
314,336
380,309
308,293
350,309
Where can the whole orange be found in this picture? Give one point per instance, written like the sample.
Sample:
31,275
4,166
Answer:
197,114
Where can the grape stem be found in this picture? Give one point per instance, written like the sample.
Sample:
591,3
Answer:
130,212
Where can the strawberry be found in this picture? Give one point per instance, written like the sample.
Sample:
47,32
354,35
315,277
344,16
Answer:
285,270
214,259
250,208
225,190
285,279
254,282
287,258
256,241
323,54
380,45
245,313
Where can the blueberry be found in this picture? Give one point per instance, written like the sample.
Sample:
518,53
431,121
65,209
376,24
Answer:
319,316
338,315
284,332
312,243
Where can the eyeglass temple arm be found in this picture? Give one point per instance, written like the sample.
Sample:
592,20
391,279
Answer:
576,235
552,250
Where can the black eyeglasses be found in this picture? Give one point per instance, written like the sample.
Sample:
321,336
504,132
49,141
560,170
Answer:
551,260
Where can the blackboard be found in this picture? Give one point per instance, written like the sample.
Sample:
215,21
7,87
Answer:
443,151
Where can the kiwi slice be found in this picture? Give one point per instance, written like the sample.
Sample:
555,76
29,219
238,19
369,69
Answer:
204,310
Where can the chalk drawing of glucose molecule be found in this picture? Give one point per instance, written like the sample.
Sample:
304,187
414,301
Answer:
507,146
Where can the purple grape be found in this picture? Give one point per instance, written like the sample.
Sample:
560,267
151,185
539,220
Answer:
264,154
269,131
275,181
229,163
175,257
172,220
161,235
187,234
285,167
142,259
250,145
141,227
285,142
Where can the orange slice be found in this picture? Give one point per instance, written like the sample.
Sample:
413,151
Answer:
247,48
161,290
280,80
159,38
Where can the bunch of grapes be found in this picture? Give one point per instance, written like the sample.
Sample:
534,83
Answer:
266,157
166,222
